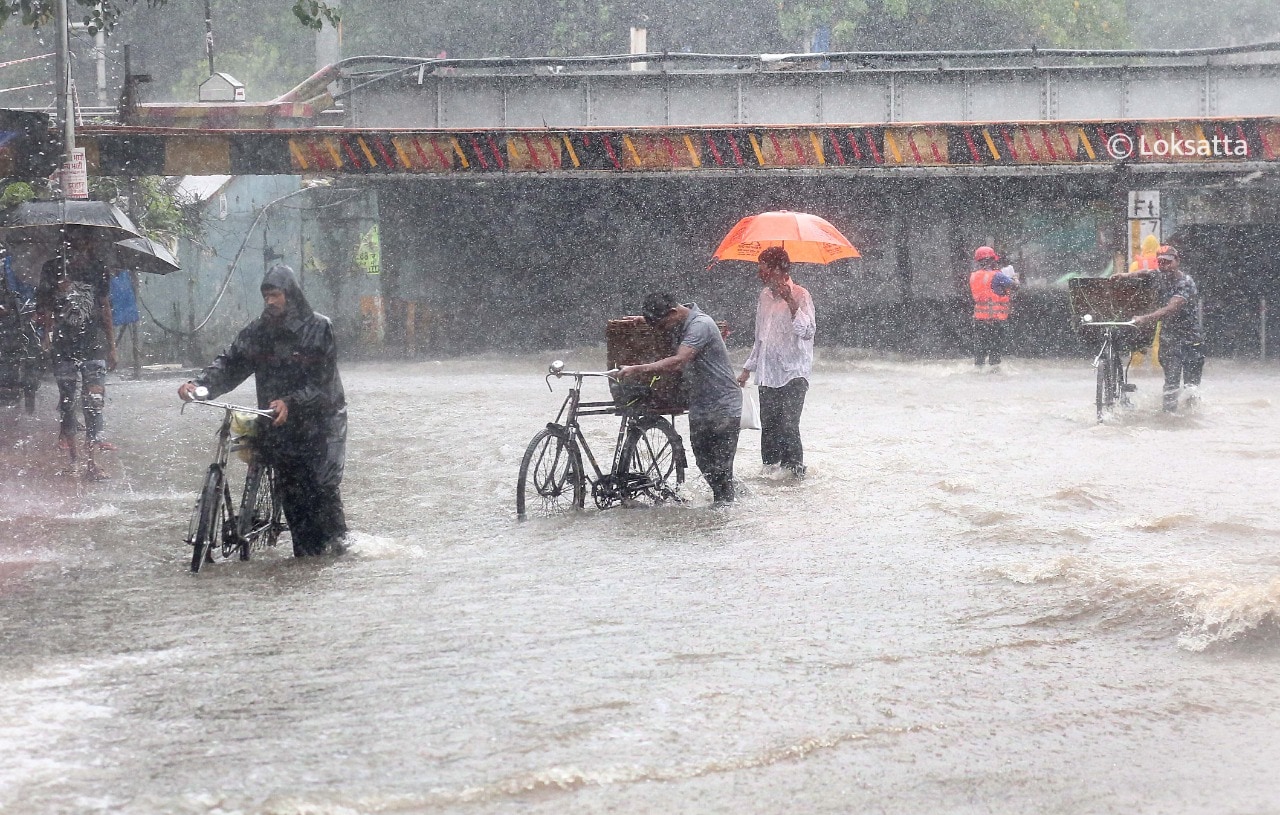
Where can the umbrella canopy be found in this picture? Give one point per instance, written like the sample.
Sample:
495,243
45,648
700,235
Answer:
144,255
807,238
46,220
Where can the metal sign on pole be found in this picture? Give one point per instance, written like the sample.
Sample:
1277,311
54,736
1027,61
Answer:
75,176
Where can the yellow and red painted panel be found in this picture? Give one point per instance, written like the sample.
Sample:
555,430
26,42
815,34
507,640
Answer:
172,151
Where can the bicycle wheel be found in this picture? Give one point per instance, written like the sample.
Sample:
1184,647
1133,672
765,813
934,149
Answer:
1100,369
551,481
205,531
653,459
258,524
1118,377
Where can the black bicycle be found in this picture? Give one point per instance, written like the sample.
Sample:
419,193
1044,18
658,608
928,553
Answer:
1112,364
648,459
220,529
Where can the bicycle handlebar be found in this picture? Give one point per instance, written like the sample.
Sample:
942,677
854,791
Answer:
269,414
557,370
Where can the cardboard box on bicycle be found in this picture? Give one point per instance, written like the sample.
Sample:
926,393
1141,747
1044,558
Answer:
1111,300
631,341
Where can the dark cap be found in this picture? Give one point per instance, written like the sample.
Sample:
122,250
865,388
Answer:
657,305
1167,253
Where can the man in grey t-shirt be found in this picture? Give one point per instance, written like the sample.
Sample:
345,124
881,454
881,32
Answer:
715,397
1181,343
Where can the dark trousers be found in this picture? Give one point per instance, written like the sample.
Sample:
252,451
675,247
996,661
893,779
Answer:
314,510
988,341
89,376
1183,362
780,410
714,443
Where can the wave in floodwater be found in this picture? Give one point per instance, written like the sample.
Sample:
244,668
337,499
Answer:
1206,607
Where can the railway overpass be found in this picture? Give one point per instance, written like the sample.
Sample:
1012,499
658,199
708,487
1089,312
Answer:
567,186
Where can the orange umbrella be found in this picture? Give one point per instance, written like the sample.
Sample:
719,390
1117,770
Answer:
807,238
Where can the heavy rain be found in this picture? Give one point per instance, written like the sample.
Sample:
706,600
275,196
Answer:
1045,582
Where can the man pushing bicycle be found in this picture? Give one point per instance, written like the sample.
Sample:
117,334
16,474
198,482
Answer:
291,351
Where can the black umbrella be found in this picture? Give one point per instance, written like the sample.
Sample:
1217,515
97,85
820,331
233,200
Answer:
47,220
41,224
144,255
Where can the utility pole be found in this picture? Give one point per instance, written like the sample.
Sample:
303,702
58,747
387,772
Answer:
63,61
208,34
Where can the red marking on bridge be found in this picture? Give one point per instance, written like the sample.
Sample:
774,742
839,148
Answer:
853,142
911,142
1266,145
497,153
533,154
1066,143
1031,148
1008,142
421,155
317,157
671,151
777,148
351,154
1048,143
973,148
737,154
835,142
711,143
475,148
875,151
608,148
553,150
382,151
444,162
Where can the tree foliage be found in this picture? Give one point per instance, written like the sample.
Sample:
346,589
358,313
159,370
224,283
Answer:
104,14
956,24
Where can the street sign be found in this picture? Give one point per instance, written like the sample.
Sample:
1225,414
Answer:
1144,204
75,177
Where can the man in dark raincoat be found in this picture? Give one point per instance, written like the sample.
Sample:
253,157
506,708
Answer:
292,352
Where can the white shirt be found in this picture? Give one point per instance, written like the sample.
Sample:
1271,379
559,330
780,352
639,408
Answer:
784,344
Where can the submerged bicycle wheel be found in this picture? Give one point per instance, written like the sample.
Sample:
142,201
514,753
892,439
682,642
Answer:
258,525
551,481
653,459
1108,384
205,531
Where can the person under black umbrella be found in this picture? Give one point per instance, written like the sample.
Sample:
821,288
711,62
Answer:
73,302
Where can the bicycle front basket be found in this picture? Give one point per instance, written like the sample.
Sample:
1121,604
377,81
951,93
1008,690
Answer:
244,431
631,398
660,396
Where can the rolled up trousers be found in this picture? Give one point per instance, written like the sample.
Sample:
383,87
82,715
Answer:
715,442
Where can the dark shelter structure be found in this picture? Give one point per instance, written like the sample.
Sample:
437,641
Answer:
542,263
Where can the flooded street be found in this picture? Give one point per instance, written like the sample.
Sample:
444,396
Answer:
979,601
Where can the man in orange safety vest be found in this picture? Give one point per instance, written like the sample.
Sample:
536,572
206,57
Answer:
991,287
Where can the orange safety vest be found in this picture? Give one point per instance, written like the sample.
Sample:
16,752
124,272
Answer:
987,305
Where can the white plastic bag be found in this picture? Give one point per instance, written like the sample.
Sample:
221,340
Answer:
750,410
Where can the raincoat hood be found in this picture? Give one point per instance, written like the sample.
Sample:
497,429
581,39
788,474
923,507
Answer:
282,277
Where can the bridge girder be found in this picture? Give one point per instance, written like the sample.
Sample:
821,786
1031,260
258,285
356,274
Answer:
1018,148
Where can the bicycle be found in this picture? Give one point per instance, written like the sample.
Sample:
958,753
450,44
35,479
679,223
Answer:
648,459
1113,386
218,527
